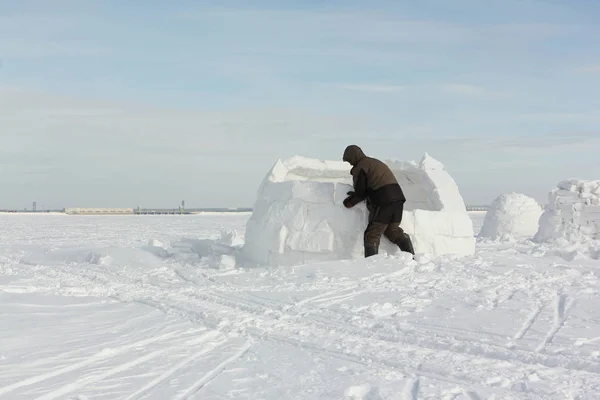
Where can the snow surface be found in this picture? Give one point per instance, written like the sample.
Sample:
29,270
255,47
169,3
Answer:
91,309
571,219
512,216
299,216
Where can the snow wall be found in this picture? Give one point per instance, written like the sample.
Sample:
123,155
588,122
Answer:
299,217
511,216
572,213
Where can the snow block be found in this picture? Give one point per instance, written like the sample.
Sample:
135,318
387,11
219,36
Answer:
299,217
572,213
511,216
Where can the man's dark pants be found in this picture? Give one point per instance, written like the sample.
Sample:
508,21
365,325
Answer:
385,220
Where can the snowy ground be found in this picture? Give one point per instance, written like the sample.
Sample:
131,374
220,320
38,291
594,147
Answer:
87,312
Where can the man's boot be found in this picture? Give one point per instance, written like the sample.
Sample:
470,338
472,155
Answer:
370,250
405,243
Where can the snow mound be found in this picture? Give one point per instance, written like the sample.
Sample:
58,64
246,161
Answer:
572,216
215,253
299,217
511,216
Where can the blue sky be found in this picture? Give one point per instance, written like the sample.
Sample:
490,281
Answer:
113,103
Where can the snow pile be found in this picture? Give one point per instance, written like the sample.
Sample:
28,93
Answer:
299,217
572,215
511,216
220,253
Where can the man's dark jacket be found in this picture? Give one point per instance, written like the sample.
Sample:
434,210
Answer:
373,180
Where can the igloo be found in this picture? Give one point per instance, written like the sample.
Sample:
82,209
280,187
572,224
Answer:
298,216
572,213
511,216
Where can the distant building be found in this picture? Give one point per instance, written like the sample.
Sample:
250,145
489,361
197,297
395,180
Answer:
99,211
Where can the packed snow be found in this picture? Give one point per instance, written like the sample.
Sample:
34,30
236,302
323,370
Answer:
572,215
512,216
132,307
299,218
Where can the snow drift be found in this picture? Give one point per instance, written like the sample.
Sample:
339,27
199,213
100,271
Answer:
572,215
511,216
298,215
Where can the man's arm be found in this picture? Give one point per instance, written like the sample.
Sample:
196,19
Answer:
360,190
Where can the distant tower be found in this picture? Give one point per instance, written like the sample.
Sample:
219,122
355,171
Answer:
34,205
183,204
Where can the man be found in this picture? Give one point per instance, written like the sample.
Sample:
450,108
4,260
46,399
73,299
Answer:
374,182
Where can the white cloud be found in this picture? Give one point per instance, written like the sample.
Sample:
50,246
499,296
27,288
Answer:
76,151
528,142
542,30
363,26
591,69
463,89
591,116
372,87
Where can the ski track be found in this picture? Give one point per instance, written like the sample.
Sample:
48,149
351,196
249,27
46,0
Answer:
69,354
559,320
173,370
418,350
411,390
321,297
328,302
213,373
405,335
377,340
100,356
81,383
438,374
529,322
248,311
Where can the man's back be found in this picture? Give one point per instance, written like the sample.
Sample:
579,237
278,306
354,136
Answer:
378,173
373,177
375,182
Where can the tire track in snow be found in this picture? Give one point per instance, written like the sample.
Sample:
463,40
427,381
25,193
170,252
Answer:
83,382
100,356
212,374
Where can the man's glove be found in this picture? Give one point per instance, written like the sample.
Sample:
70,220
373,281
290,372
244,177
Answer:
347,200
